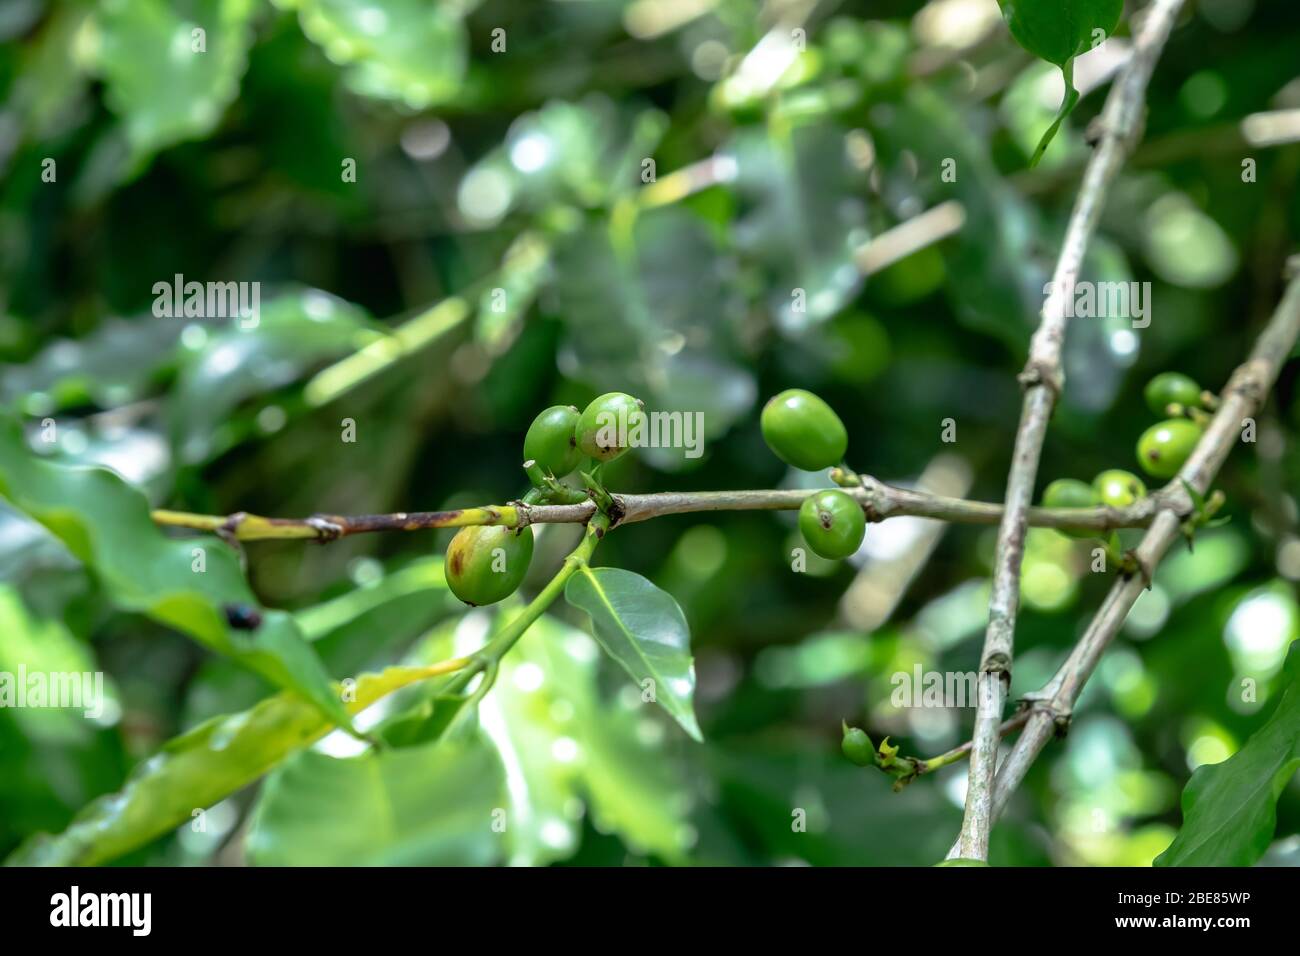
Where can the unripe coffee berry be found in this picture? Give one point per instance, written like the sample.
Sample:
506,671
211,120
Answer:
1171,388
1164,447
1118,488
552,442
857,746
803,431
485,564
832,523
1070,493
605,428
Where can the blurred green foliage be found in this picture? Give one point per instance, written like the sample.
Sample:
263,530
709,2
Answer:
460,213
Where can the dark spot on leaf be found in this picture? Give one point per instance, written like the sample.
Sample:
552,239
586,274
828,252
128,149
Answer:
242,617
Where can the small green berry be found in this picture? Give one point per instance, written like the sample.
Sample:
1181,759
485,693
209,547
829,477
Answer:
1165,446
803,431
604,431
1118,488
551,441
832,523
1172,388
857,746
485,564
1070,493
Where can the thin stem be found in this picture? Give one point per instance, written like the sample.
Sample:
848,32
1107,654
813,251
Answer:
879,500
1043,380
500,645
1008,726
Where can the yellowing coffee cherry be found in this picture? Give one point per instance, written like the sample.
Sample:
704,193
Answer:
832,523
552,442
485,564
803,431
1164,447
604,431
1118,488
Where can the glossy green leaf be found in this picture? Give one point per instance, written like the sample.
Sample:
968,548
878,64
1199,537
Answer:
439,805
642,627
294,333
991,284
565,745
1058,31
356,632
1230,808
629,294
802,218
171,73
105,523
196,770
117,363
406,50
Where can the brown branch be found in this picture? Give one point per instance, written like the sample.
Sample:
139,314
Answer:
879,500
1043,380
1242,397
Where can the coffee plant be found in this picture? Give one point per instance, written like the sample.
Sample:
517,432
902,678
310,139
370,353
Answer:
842,433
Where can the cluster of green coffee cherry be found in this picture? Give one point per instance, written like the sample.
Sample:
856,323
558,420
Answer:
486,563
1161,450
803,431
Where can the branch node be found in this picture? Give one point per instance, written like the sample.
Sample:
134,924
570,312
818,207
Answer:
326,528
617,511
229,533
1038,372
523,513
1133,564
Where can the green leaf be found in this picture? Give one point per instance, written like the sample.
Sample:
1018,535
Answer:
802,218
989,286
164,88
1058,31
1230,808
194,771
294,333
406,50
643,628
106,525
636,297
356,632
429,806
566,745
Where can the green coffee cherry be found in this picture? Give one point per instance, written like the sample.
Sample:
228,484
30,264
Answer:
1170,388
1165,446
485,564
1070,493
1118,488
857,746
803,431
832,523
606,425
551,441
